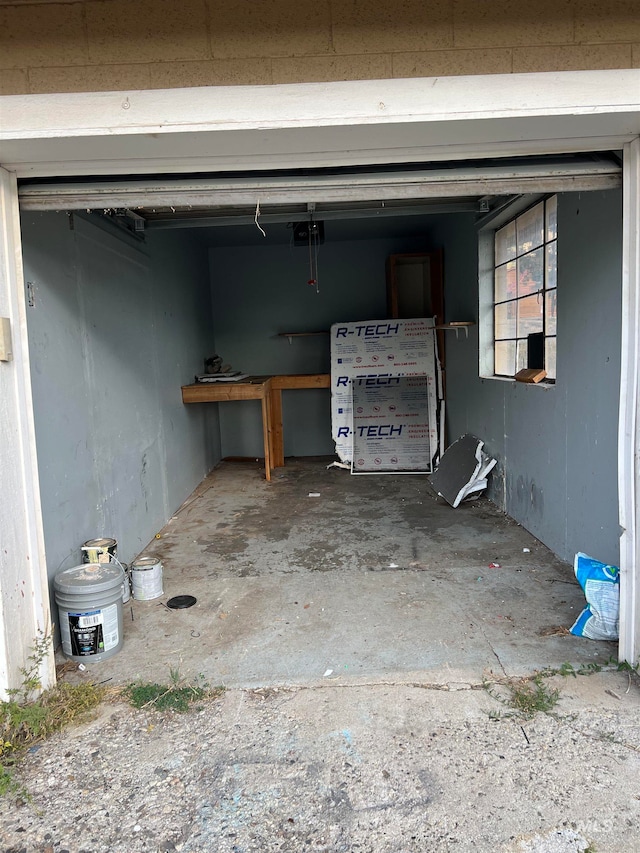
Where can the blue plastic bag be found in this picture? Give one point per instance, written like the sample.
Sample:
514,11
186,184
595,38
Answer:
601,585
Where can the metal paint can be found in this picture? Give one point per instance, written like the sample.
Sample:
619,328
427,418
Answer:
146,577
126,583
89,599
105,551
99,550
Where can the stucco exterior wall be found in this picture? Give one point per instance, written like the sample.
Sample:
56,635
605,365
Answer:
101,45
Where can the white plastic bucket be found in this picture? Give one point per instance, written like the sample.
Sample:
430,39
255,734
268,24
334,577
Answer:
89,599
146,578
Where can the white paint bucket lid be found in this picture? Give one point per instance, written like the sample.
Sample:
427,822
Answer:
88,578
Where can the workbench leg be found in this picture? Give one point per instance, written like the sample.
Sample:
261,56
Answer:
266,432
277,441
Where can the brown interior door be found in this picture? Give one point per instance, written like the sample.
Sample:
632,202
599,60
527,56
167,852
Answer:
415,289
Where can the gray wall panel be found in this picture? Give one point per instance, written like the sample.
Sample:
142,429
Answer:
535,461
116,328
557,446
261,290
589,315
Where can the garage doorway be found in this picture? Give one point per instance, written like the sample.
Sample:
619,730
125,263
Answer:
632,199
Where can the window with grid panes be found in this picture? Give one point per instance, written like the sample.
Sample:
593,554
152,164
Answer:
525,287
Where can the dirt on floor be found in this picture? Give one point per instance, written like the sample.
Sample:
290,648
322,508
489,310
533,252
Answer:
377,655
378,768
373,578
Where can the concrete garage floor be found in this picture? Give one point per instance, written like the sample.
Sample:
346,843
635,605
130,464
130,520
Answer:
376,580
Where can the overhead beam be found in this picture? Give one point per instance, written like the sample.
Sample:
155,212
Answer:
327,215
373,186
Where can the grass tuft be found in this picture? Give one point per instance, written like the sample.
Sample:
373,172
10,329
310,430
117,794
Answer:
9,786
526,697
24,724
532,696
25,720
169,697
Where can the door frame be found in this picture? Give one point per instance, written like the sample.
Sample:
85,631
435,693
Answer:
25,619
310,126
629,413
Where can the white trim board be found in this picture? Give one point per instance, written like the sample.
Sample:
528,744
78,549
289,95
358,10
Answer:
629,417
372,102
318,124
24,590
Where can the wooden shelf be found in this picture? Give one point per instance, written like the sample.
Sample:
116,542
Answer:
456,326
299,334
301,380
291,335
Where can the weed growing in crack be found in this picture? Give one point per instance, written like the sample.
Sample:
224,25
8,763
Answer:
532,694
612,665
174,696
526,697
31,683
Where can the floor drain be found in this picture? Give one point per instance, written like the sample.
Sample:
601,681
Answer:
180,602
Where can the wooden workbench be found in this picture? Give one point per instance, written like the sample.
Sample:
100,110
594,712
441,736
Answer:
267,389
288,383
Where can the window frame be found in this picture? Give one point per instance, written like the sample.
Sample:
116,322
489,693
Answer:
487,230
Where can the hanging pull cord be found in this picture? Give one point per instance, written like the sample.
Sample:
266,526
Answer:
316,253
255,219
313,258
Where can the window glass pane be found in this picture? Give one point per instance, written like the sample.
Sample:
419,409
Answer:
552,265
552,217
530,229
505,282
551,312
529,315
525,287
505,320
521,355
530,272
505,358
505,243
550,357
